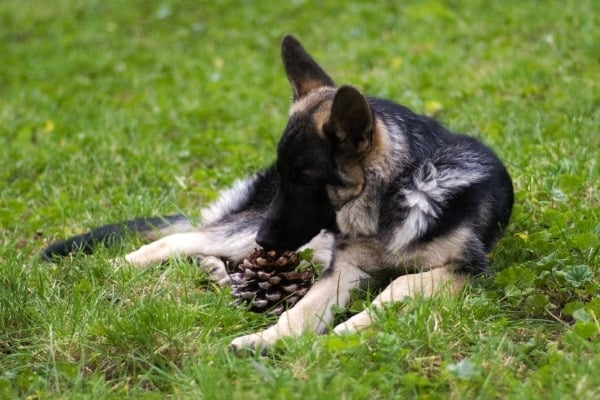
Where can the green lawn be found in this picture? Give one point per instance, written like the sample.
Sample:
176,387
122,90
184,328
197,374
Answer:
115,109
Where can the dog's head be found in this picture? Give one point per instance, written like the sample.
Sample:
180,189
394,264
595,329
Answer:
319,156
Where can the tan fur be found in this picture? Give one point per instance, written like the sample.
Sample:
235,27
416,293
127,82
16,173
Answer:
355,198
321,116
379,158
316,96
442,250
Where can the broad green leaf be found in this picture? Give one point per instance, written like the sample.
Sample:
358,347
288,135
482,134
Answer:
513,294
582,315
593,306
536,304
585,330
571,307
517,276
577,275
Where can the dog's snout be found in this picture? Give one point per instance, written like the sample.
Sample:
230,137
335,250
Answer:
265,239
268,234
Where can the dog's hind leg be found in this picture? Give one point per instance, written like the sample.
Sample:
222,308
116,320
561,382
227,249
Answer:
209,244
424,284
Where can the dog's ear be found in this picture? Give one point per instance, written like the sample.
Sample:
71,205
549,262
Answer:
351,120
302,71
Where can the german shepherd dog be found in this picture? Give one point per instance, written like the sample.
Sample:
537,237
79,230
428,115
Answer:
379,193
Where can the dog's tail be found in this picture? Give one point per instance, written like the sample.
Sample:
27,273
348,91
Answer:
150,228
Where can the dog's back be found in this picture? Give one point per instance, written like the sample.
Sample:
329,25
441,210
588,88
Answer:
441,183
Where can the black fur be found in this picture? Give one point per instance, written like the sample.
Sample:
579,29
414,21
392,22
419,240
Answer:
300,207
109,235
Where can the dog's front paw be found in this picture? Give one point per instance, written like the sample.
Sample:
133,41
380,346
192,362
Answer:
134,259
215,268
259,341
356,323
247,343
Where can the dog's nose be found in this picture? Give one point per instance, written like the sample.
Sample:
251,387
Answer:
264,240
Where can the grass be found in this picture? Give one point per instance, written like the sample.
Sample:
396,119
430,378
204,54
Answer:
113,109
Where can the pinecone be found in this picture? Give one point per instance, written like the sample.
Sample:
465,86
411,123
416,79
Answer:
270,281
